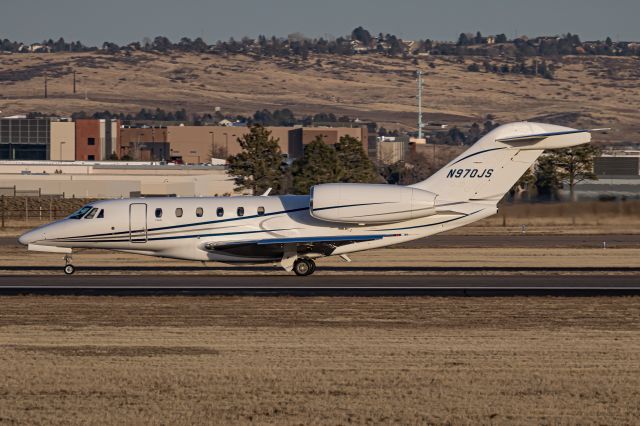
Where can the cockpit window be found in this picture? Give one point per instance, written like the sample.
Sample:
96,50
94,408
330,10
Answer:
101,214
91,214
80,213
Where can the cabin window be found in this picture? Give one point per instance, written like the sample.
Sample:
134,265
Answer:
199,212
220,212
178,212
158,213
91,214
101,214
80,213
240,211
260,211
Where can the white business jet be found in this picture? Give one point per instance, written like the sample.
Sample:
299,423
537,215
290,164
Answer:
334,220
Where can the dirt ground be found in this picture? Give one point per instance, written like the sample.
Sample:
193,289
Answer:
194,360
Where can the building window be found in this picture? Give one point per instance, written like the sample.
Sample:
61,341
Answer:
91,158
199,212
158,213
260,211
178,212
91,141
220,212
240,211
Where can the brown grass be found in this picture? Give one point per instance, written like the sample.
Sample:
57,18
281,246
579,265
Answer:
182,360
369,87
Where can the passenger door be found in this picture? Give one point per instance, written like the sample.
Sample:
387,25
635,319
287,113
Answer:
138,222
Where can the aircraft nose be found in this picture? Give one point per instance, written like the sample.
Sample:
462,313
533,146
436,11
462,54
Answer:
31,237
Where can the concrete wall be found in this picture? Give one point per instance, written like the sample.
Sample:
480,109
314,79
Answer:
63,141
122,185
113,180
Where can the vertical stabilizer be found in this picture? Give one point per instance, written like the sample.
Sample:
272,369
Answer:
487,170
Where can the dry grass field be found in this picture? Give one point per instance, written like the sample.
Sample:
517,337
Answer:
227,360
587,91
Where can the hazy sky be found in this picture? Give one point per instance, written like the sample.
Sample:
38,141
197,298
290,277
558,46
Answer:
122,21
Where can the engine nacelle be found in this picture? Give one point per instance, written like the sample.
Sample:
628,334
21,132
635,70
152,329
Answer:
369,203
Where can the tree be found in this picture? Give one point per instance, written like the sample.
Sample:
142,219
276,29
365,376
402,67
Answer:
525,184
473,67
260,164
463,40
319,164
355,165
501,38
361,35
575,165
546,177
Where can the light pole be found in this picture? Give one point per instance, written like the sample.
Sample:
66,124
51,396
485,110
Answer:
61,143
139,150
226,143
213,145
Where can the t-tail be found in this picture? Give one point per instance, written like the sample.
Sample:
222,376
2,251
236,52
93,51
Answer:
486,171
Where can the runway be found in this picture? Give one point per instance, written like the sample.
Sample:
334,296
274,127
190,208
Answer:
496,241
324,285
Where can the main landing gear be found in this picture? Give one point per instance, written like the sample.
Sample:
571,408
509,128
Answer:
304,267
68,267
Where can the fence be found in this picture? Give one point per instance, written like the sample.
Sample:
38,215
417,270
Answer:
13,191
19,210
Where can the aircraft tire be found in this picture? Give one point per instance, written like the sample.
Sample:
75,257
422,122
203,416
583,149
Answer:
69,269
303,267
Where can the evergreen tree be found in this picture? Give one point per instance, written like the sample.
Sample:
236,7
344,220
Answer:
546,177
355,165
319,164
260,165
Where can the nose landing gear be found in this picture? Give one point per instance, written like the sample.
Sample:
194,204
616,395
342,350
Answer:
304,267
68,267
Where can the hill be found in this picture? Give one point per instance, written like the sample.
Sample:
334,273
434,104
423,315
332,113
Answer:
587,91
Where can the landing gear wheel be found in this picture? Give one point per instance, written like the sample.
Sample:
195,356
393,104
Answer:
304,267
69,269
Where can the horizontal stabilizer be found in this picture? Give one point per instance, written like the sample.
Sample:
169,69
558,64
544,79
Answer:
541,136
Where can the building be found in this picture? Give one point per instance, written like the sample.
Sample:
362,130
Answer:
57,139
195,144
96,139
113,179
24,138
618,163
391,150
301,136
618,175
144,144
62,141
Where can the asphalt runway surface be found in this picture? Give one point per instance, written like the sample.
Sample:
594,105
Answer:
497,241
324,285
